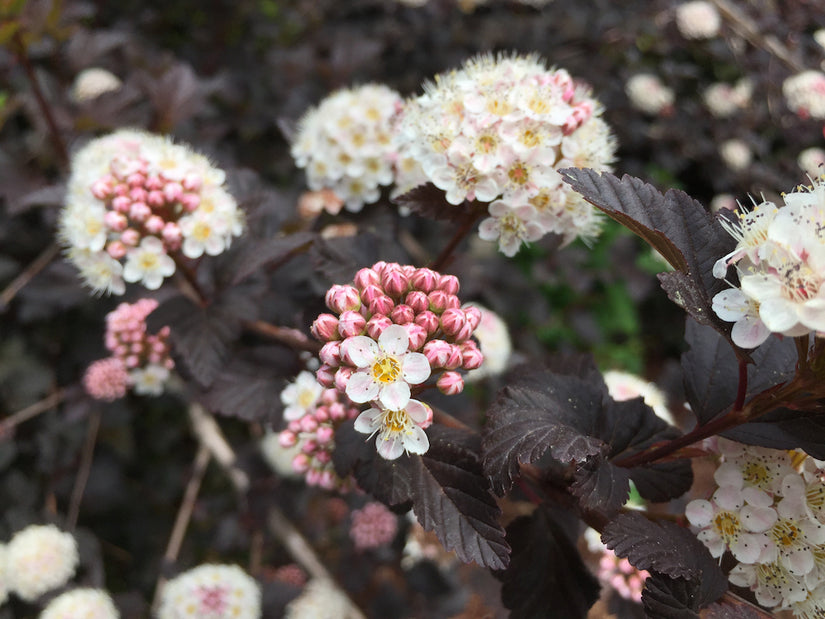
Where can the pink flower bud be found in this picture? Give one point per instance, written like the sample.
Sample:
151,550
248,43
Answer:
473,315
439,301
325,375
448,283
138,194
428,320
294,426
325,328
417,300
190,201
394,282
378,267
324,434
402,314
371,292
154,225
300,463
437,353
121,190
424,280
136,348
322,414
323,457
155,199
308,423
337,411
173,192
351,323
366,277
381,305
172,234
192,182
139,211
116,249
452,321
417,334
121,204
377,324
309,446
471,356
115,221
465,333
342,377
132,361
313,477
429,420
450,383
287,439
342,298
327,480
130,237
101,189
330,354
153,182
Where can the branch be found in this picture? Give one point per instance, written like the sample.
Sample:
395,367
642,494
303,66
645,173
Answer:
87,455
8,424
291,337
27,274
464,229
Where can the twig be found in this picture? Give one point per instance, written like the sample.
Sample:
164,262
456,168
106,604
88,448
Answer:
463,230
187,505
291,337
742,386
295,544
9,423
27,274
87,455
20,51
748,29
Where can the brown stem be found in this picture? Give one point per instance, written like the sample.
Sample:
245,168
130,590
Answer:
7,424
291,337
19,48
464,229
742,388
445,419
83,470
27,274
193,290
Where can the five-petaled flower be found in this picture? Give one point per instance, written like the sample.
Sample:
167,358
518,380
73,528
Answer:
398,430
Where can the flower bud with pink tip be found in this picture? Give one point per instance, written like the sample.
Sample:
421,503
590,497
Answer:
325,328
377,324
343,298
428,321
381,305
417,300
394,282
453,321
449,284
424,280
351,323
472,358
366,277
450,383
402,314
325,375
330,354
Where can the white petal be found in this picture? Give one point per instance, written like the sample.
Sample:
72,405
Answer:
389,446
394,340
417,411
758,519
749,332
747,548
415,368
699,513
416,441
395,396
360,349
778,314
368,421
729,497
362,388
728,474
799,562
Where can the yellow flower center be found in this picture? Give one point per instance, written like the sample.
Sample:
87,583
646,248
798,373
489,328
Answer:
201,231
728,525
386,370
395,421
518,174
148,260
786,533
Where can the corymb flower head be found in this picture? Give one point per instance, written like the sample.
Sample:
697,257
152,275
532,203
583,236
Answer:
345,144
698,20
81,604
373,525
40,558
211,592
648,94
780,257
135,203
805,94
497,130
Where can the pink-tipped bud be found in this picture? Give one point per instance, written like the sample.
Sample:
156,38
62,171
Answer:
300,463
452,321
417,300
153,182
294,426
308,423
448,283
192,182
381,305
330,354
324,457
325,375
378,267
121,204
471,356
139,211
394,282
366,277
325,328
155,198
437,353
402,314
439,301
428,320
173,192
309,446
343,298
465,333
135,179
313,477
101,189
287,439
473,315
130,237
115,221
324,434
190,201
351,323
132,361
429,420
138,194
172,234
116,249
322,414
155,224
337,411
327,480
371,292
121,190
342,377
450,383
417,335
424,280
136,348
377,324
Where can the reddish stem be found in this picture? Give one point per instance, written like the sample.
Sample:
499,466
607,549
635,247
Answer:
291,337
463,230
742,390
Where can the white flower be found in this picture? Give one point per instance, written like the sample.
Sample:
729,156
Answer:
734,306
40,558
808,498
81,604
386,369
398,430
648,94
300,396
321,599
203,232
772,583
510,226
758,467
812,161
100,271
93,82
805,93
736,154
623,386
494,342
211,592
149,380
698,20
148,263
279,457
793,540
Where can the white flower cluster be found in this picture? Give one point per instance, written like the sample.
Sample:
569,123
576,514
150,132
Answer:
805,93
495,344
724,100
780,257
648,94
736,154
321,599
770,516
812,161
134,200
38,559
345,143
81,604
211,592
698,20
496,130
625,386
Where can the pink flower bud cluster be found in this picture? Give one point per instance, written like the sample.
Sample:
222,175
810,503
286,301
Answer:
314,432
421,300
622,577
134,201
372,526
139,360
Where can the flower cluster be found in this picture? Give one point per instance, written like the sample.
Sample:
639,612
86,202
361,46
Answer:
139,361
321,599
770,516
623,386
134,202
39,559
211,592
648,94
615,573
346,143
736,154
392,329
92,83
805,94
494,342
497,130
81,603
812,161
373,525
780,258
698,20
312,413
724,100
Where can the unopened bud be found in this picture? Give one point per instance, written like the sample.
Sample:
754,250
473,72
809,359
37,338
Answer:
366,277
342,377
381,305
473,315
287,439
330,354
351,323
325,375
325,328
448,283
452,321
394,282
450,383
402,314
428,320
424,280
417,335
417,300
472,357
343,298
377,324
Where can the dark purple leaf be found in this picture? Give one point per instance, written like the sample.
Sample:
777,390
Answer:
248,257
243,391
176,95
429,201
670,598
545,572
733,607
785,429
601,486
